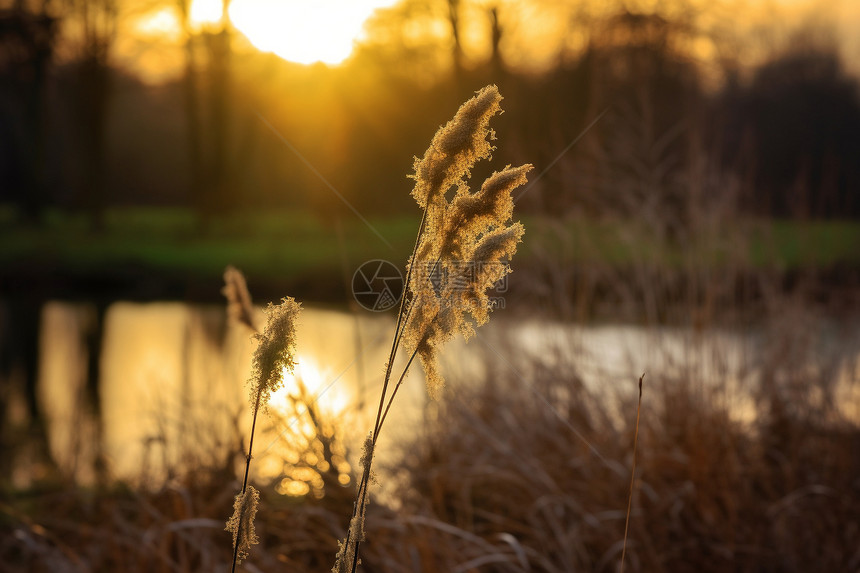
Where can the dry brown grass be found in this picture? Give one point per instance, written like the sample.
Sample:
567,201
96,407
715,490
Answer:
528,474
779,493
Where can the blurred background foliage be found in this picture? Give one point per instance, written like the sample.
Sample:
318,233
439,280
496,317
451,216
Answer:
107,104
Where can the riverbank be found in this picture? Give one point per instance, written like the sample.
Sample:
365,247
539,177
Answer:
147,254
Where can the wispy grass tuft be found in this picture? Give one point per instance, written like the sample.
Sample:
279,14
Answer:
241,523
275,355
239,306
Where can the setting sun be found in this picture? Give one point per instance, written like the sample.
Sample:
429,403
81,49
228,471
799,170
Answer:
303,32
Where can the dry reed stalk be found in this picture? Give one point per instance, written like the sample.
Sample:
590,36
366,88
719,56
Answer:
460,252
632,477
275,354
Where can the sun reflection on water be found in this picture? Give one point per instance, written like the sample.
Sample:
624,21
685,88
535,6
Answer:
306,453
317,382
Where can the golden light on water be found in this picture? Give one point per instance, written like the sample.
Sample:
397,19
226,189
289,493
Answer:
303,409
293,488
309,381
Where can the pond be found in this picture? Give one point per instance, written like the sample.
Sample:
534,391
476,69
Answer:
172,377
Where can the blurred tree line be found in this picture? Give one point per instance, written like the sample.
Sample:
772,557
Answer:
682,120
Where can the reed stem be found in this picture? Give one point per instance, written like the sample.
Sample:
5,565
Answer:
632,477
402,320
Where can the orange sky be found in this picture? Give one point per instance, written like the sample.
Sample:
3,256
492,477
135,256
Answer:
148,41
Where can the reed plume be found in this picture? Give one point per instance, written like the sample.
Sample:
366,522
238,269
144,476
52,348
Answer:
275,355
239,306
461,256
241,523
276,350
462,250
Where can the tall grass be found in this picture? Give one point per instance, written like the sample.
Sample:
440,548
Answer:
533,463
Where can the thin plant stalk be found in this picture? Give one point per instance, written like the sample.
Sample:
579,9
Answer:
397,386
247,471
632,478
382,411
385,405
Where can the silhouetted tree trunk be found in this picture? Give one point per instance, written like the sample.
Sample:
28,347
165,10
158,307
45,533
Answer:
196,191
20,361
496,64
94,336
98,19
219,44
28,39
43,47
93,113
457,53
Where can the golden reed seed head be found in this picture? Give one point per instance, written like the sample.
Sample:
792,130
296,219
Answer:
471,215
456,147
491,253
463,302
466,244
241,523
239,306
277,348
502,183
367,451
427,350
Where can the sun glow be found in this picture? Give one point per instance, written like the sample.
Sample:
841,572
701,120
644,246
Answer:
160,24
205,12
317,385
303,409
301,31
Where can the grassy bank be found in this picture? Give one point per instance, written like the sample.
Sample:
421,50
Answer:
279,244
267,245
